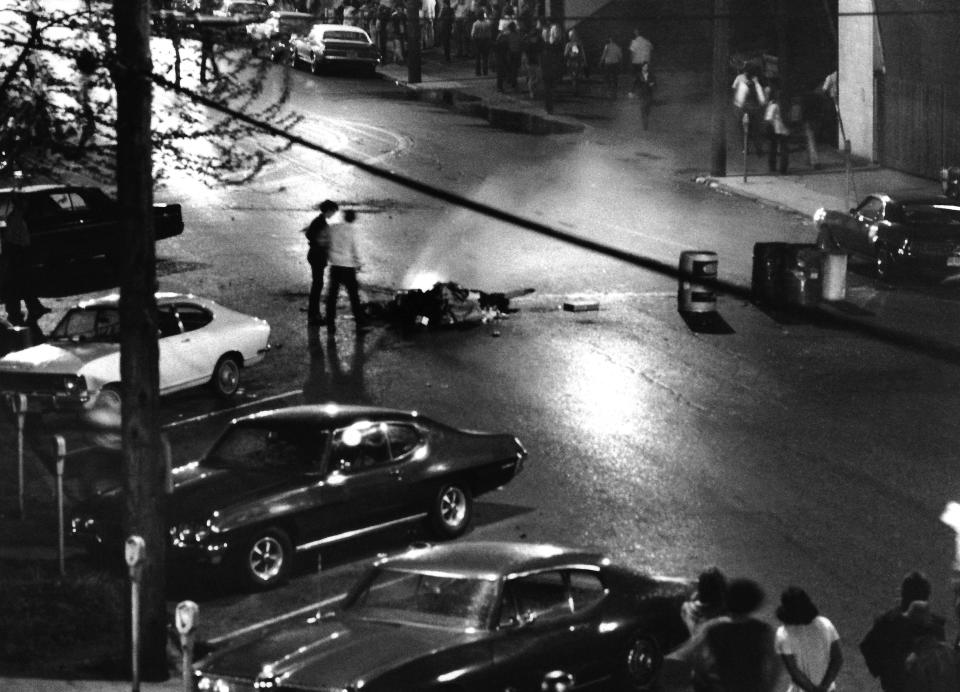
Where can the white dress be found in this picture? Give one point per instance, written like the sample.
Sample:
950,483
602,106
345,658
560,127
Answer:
810,646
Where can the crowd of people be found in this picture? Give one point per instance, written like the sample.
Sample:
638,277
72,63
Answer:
732,649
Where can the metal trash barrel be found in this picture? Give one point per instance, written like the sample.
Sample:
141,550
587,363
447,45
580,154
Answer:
766,284
698,278
801,275
834,276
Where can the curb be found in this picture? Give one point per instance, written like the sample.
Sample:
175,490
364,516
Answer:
503,117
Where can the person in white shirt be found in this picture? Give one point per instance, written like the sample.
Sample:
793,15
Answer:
344,262
807,642
641,50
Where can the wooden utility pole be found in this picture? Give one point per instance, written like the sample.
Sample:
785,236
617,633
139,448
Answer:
721,89
144,466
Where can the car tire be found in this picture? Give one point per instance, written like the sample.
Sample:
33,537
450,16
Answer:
226,376
266,559
885,265
452,510
640,664
316,67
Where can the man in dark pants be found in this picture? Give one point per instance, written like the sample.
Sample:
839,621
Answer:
344,263
206,54
445,28
318,239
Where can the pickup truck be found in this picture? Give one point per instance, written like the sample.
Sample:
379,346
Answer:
72,222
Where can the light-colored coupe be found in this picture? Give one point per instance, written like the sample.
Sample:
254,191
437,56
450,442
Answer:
334,44
78,367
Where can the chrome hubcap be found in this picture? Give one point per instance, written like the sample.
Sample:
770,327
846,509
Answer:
266,558
228,376
453,507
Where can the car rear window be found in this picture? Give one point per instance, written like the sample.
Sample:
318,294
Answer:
344,36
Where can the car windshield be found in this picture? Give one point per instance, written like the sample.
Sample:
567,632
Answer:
344,36
295,25
89,324
948,214
262,448
442,600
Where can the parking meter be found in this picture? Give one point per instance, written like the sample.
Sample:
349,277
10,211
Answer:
61,458
185,619
134,551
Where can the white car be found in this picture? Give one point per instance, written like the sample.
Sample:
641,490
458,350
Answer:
78,367
330,44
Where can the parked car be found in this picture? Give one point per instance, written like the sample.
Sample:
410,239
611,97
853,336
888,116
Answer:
470,616
899,234
78,367
300,478
72,222
334,44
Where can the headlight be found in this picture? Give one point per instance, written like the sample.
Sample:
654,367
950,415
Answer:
819,215
208,684
76,386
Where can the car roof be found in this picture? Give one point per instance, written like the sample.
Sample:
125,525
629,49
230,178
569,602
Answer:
290,14
338,27
162,298
911,197
329,415
490,559
45,187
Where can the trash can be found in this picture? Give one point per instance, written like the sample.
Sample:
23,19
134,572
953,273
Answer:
801,276
698,278
14,339
834,276
766,285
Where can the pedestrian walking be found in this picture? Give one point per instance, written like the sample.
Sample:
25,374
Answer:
461,24
533,45
778,134
551,65
749,101
344,261
481,34
808,643
641,51
891,637
501,59
445,20
318,242
734,652
644,90
709,601
575,60
207,53
610,60
173,33
16,269
515,46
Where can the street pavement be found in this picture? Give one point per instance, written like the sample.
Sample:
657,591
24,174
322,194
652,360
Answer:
803,190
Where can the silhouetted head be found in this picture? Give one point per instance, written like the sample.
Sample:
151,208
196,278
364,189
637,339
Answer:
914,587
744,596
796,608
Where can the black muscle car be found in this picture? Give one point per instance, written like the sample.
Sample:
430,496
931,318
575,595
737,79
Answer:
899,234
71,222
470,617
303,477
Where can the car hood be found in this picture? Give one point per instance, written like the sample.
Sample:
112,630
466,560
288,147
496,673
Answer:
57,357
333,652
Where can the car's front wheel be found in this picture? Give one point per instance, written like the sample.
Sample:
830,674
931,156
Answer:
266,559
640,663
226,376
452,510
